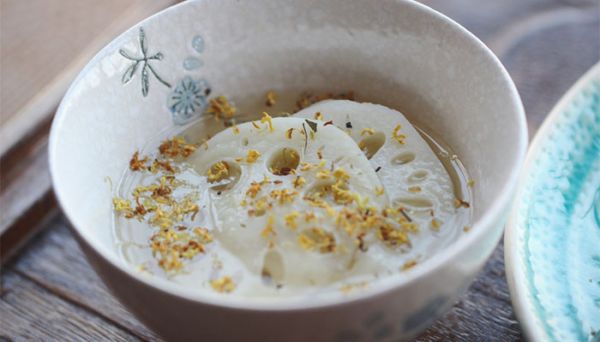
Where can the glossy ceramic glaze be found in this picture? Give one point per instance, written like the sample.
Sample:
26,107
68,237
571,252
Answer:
396,53
553,236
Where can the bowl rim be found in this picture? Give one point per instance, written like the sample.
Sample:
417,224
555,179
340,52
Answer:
519,291
385,285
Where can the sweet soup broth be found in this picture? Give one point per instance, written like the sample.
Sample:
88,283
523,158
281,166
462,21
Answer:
167,222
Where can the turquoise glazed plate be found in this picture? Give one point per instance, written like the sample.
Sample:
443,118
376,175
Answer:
553,233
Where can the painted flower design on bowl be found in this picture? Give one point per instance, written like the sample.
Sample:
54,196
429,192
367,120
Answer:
188,99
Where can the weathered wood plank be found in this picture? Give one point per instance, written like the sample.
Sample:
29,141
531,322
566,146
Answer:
26,198
55,261
30,313
484,313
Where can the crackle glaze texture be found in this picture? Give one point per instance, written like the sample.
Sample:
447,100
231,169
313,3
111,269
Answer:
556,223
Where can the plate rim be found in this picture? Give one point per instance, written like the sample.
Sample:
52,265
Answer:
519,291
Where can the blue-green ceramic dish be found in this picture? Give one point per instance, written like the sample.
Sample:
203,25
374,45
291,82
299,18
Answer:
553,233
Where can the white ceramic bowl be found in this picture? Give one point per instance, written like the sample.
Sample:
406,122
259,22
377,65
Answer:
396,53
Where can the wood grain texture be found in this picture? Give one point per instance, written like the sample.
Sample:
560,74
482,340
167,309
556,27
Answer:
484,313
29,182
26,198
55,261
30,313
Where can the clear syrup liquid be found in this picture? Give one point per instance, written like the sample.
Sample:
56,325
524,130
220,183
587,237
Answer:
131,237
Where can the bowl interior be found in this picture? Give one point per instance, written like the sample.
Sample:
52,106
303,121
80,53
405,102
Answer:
399,54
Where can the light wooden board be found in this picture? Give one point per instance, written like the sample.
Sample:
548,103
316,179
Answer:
44,44
41,38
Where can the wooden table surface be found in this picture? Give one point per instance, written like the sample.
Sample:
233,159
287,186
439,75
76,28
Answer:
49,292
